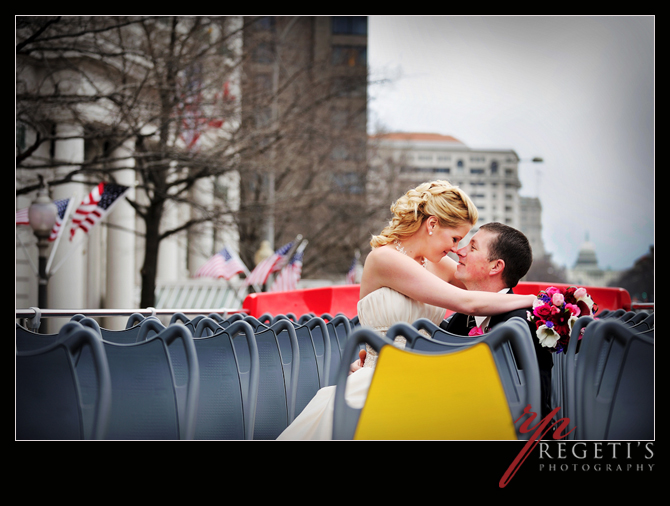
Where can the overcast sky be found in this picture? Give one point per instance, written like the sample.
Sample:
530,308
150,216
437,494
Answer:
576,91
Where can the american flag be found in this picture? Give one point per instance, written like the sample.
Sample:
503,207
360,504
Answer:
22,217
61,205
289,276
95,206
271,264
225,264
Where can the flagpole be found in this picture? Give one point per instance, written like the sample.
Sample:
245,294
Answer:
290,253
70,204
247,273
109,210
284,262
301,247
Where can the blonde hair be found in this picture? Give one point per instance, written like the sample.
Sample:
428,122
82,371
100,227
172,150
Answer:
449,204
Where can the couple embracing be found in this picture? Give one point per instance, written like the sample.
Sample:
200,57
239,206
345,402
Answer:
408,276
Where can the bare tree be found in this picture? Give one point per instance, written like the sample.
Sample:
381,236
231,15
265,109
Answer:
165,86
155,83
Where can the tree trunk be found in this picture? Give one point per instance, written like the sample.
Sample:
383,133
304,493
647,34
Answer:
152,245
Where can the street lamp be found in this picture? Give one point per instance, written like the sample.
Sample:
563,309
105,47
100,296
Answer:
536,159
42,215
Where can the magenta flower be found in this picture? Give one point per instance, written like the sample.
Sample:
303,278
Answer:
476,331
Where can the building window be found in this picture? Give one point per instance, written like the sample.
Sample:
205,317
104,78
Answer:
476,171
494,167
351,56
349,182
349,25
264,52
262,116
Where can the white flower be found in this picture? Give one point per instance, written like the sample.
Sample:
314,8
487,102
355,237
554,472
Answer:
548,337
571,322
582,295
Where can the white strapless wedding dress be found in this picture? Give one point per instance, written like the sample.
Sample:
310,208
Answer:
378,310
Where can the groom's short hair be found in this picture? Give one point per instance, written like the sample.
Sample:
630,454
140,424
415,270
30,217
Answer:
511,246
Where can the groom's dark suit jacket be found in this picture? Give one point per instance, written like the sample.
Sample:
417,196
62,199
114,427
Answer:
458,324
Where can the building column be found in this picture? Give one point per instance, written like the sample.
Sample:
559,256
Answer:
200,237
67,287
121,271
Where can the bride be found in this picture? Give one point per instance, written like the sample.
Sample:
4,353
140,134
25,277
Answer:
408,276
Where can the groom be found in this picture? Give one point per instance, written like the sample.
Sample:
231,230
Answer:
494,260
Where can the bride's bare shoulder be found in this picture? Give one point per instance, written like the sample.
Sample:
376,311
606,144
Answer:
381,254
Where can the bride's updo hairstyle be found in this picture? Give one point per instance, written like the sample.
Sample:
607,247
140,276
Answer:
449,204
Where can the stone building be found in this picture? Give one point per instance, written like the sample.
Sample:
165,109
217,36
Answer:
402,160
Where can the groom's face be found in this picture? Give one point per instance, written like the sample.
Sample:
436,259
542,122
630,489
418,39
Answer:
473,260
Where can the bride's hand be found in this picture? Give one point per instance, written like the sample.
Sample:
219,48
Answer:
359,363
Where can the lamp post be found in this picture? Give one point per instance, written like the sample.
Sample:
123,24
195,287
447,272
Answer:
536,159
42,216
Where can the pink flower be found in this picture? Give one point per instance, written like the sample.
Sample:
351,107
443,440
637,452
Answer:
552,290
579,293
558,299
476,331
574,310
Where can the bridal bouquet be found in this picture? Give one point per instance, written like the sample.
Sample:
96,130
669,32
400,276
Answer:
554,312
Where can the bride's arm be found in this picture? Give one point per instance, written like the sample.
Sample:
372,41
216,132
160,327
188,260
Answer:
386,267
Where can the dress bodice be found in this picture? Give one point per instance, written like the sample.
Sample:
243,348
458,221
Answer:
385,307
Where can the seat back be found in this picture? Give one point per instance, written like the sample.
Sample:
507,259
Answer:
615,384
457,394
140,331
323,349
255,323
568,364
439,334
27,340
277,384
206,326
228,386
49,401
310,354
513,358
339,328
150,399
230,319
